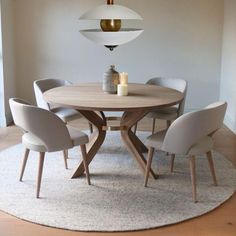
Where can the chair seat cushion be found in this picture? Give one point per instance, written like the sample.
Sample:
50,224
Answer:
167,113
33,143
156,140
77,136
66,114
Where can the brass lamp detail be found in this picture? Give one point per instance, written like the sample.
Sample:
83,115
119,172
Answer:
110,25
111,32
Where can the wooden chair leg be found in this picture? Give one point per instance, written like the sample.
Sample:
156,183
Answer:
193,177
24,163
65,155
40,172
135,127
153,125
211,165
172,163
90,128
168,124
84,155
149,163
66,152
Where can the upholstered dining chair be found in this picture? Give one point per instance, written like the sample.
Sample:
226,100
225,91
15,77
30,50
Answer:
191,135
45,132
169,114
66,114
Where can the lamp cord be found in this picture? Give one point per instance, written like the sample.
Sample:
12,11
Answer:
110,2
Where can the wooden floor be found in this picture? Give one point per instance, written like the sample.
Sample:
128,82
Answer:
221,221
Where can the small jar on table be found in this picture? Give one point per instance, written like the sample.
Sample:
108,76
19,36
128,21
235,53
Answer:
110,81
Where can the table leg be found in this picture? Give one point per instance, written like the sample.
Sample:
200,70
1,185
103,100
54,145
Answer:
132,142
139,144
96,140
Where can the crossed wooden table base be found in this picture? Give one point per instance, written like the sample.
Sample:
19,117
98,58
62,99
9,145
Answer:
132,142
92,102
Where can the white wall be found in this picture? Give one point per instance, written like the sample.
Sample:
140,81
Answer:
2,105
7,74
182,38
228,81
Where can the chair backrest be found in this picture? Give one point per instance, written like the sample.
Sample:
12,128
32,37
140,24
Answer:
173,83
42,85
43,124
188,129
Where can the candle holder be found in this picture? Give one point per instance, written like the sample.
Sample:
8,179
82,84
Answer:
123,77
122,88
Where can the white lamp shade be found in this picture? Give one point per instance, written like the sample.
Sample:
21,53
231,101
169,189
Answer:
111,12
111,38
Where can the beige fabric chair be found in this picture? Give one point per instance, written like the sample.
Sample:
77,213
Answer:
170,113
66,114
45,132
191,135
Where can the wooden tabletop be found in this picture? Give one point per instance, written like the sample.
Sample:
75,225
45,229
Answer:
91,97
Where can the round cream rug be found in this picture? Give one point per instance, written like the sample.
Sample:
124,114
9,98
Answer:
116,200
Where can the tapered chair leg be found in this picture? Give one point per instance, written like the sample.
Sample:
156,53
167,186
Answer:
24,163
172,163
168,124
193,177
65,155
91,128
40,172
211,165
84,155
135,127
149,163
153,125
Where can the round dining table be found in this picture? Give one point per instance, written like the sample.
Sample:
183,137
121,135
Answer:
90,100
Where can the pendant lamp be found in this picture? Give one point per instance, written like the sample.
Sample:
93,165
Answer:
111,34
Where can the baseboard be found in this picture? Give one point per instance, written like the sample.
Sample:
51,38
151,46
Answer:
9,119
230,123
